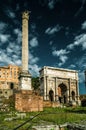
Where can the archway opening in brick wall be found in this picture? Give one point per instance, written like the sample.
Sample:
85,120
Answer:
51,95
62,93
11,85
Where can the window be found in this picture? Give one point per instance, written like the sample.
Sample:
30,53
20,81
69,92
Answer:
11,86
0,92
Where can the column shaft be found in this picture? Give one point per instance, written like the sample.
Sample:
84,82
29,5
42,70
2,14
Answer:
25,48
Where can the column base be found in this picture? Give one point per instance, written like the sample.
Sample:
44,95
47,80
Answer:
25,81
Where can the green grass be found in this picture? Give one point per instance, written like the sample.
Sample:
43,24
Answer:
62,115
49,115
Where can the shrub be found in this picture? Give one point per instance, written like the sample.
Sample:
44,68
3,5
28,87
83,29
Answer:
83,102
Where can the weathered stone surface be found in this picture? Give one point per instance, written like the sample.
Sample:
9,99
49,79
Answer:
25,81
25,77
76,126
50,104
47,127
25,45
27,102
50,127
61,85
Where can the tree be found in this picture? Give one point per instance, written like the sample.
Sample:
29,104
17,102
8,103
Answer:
35,83
83,102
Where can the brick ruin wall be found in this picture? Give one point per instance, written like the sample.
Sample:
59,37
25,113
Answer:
28,102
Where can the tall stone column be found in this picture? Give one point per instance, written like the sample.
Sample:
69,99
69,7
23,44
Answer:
25,18
25,100
25,77
56,89
45,87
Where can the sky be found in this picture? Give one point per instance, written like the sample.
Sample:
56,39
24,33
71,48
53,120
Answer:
57,35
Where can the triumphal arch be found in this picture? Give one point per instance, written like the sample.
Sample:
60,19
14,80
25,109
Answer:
60,85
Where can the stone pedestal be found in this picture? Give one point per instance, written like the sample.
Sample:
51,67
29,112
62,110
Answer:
25,81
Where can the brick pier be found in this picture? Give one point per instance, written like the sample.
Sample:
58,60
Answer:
28,101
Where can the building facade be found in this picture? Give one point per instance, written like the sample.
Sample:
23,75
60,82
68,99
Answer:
59,85
8,79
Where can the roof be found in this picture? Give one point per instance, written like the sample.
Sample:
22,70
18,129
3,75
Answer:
61,69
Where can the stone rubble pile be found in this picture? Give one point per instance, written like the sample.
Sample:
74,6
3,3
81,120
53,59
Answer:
75,126
3,106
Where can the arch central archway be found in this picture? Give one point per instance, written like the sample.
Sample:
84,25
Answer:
51,95
62,93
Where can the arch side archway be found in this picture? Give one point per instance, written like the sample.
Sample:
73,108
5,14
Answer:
51,95
73,95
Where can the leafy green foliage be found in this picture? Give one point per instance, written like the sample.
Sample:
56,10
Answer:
83,102
35,83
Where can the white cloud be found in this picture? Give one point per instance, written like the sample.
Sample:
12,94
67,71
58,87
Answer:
84,25
70,46
72,66
79,40
18,34
11,53
4,38
2,27
81,77
60,52
33,27
17,62
33,59
13,48
17,7
67,31
16,31
51,42
10,13
53,30
14,56
63,59
11,45
51,4
4,58
34,42
34,69
8,56
60,64
9,50
82,62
